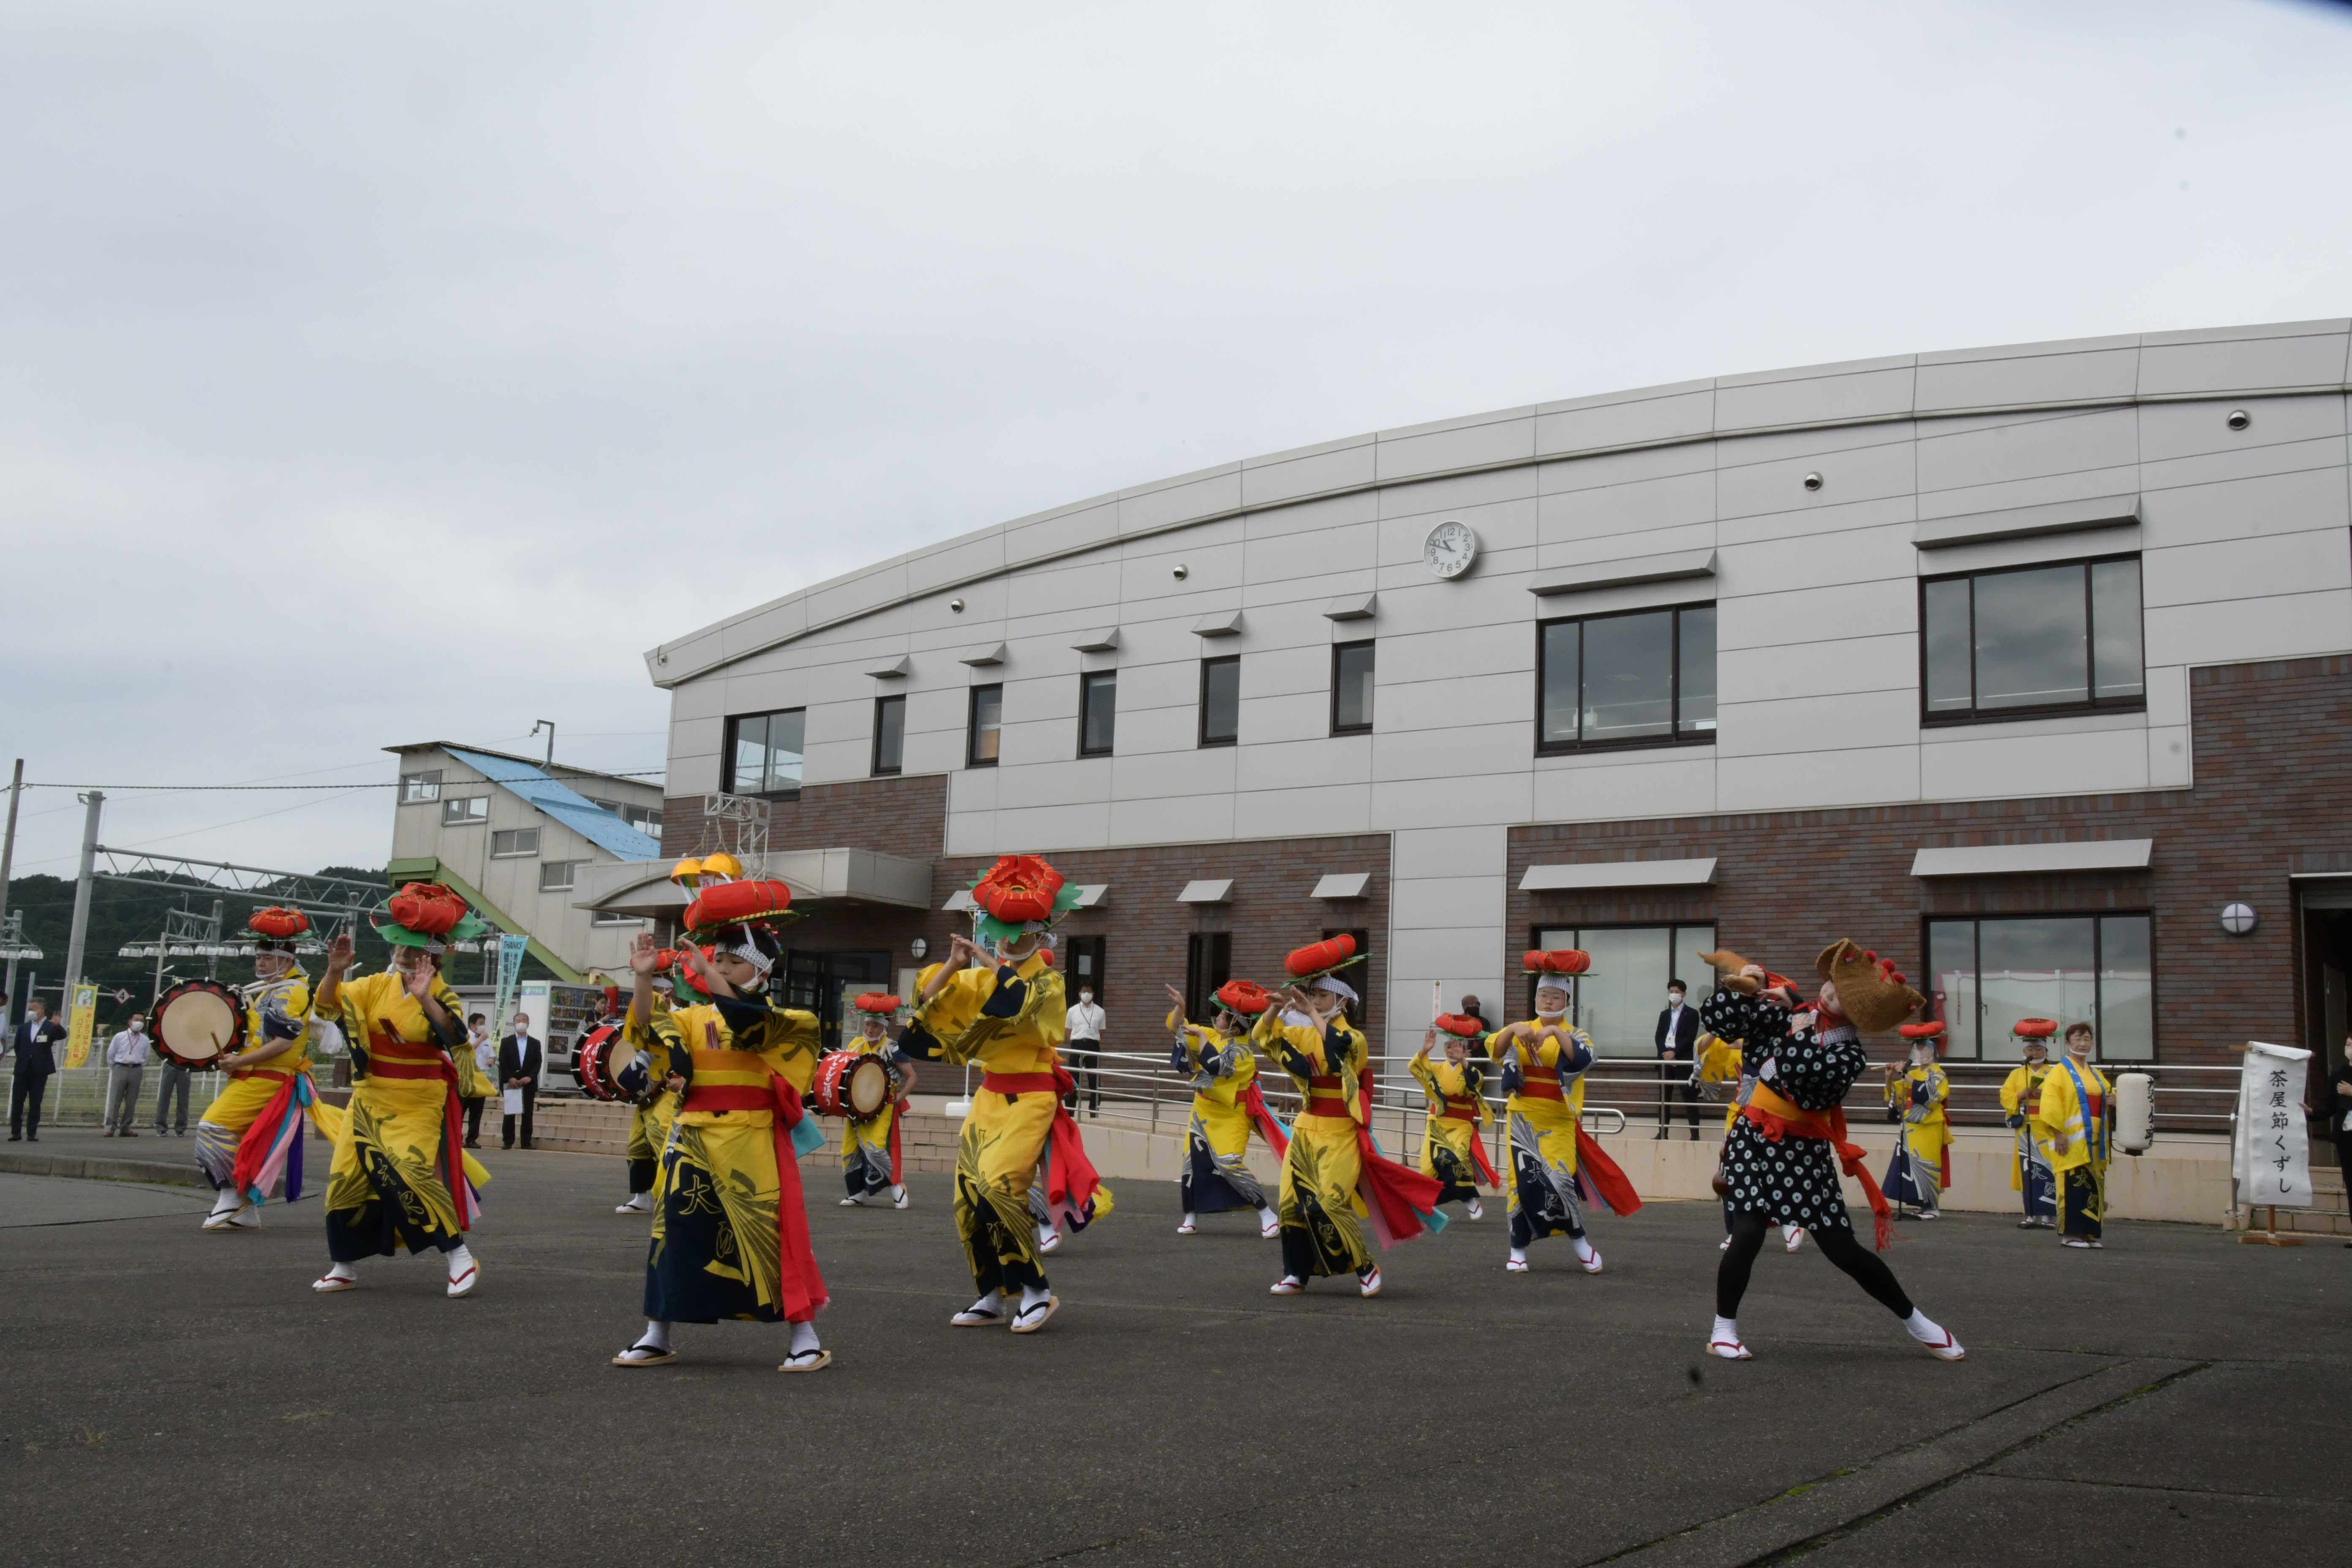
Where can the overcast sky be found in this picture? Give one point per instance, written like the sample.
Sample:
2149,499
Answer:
376,374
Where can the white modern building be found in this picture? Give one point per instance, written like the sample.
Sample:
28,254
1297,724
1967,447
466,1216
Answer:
2018,664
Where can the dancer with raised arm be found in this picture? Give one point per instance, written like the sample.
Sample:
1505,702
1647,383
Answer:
654,1084
1452,1146
1335,1184
1557,1168
401,1177
1782,1158
249,1139
730,1236
1226,1104
1003,1005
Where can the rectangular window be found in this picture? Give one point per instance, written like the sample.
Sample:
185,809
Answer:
1097,712
1645,678
889,734
415,787
1619,1003
472,811
514,841
764,753
1220,701
607,917
646,819
1351,687
1083,965
2029,640
1983,976
557,876
1208,963
986,727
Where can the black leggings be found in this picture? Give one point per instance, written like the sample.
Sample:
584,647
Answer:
1861,1265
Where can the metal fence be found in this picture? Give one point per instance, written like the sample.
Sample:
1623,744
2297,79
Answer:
75,1097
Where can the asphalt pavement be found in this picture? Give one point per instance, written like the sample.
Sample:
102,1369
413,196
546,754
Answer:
177,1397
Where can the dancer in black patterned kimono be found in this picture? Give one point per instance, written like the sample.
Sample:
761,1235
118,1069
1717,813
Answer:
1781,1160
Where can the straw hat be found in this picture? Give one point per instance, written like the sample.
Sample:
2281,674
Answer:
1871,994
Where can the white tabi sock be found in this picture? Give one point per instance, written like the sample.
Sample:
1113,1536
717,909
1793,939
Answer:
1584,1253
1190,1217
1726,1331
897,1195
656,1334
992,1304
460,1259
1519,1255
227,1201
1044,1234
1925,1329
803,1338
342,1271
1034,1296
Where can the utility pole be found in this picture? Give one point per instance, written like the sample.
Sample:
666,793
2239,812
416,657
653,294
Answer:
74,940
549,724
7,859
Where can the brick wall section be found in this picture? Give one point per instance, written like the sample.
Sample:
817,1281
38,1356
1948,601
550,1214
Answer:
2271,798
905,816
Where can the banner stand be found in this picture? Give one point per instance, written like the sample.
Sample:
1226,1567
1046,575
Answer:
2270,1157
2271,1237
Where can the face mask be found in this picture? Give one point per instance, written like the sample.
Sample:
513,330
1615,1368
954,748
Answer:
1086,995
1674,998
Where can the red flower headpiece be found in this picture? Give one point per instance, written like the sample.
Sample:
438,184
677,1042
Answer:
1320,958
1460,1023
1558,960
734,903
1018,888
427,908
1926,1031
277,924
877,1002
2034,1029
1246,998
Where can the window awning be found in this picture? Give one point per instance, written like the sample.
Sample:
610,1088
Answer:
846,875
2026,859
1342,885
2025,521
1207,892
1625,573
1618,874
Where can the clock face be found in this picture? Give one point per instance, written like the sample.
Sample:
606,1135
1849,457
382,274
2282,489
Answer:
1450,549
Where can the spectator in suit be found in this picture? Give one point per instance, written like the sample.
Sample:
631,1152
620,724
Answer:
126,1066
519,1059
1677,1043
34,1041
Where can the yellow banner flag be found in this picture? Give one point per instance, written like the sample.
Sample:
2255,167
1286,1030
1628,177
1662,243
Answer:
81,1025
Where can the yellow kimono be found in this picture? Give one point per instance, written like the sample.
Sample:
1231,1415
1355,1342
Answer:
1322,1208
731,1227
2076,1102
649,1124
2030,1170
1014,1038
869,1150
225,1122
1920,1169
400,1177
1451,1149
1547,1097
1216,1141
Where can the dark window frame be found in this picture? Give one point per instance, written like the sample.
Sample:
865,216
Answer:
1976,715
2098,981
734,724
1694,737
1096,948
972,757
1338,650
875,768
1086,685
1201,730
1208,963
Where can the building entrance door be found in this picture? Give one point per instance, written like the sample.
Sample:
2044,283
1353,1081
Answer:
822,982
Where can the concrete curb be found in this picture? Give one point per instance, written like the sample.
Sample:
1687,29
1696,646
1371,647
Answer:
32,1163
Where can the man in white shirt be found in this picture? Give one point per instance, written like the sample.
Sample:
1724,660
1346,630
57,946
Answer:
126,1065
486,1058
1083,1025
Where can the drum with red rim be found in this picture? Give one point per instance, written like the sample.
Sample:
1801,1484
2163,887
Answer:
853,1084
598,1062
197,1022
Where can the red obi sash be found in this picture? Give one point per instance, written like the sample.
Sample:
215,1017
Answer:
800,1288
1777,1118
1009,1084
1323,1096
383,1063
1539,1083
1071,1179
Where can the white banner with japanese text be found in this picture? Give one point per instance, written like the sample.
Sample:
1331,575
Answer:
2273,1157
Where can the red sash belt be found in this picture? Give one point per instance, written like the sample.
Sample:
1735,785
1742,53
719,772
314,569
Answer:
1326,1105
1777,1118
1012,1083
1460,1111
1541,1089
728,1097
452,1142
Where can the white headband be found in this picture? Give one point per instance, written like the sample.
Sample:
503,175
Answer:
1334,985
749,954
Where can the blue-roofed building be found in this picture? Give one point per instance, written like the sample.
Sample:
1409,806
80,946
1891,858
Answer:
515,836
